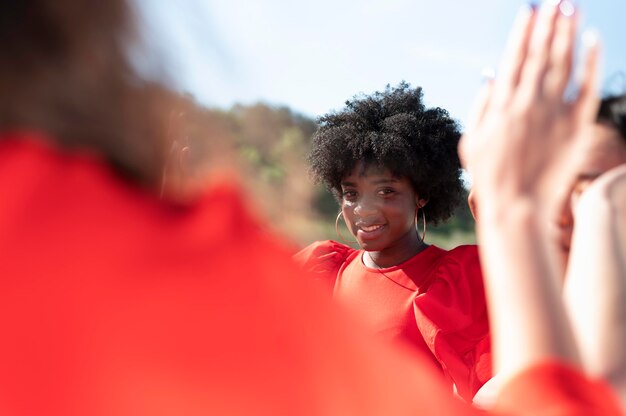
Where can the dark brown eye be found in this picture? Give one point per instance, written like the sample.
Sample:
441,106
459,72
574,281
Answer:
349,194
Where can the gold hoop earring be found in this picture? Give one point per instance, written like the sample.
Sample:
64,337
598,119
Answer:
423,236
343,240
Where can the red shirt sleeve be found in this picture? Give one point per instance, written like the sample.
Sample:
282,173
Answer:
451,314
323,259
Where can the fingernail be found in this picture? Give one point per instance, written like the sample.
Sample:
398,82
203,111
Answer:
528,9
567,8
531,6
554,3
488,74
590,38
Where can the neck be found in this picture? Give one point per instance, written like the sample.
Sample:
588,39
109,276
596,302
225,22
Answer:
395,254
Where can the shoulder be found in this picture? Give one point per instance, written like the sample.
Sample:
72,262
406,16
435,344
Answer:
461,254
462,262
456,284
323,256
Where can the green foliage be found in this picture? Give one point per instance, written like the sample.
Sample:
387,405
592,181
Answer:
324,203
271,144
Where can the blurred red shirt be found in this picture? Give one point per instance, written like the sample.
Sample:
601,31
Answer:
113,302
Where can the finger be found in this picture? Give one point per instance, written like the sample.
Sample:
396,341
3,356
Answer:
539,49
515,51
560,64
465,155
475,117
479,106
588,101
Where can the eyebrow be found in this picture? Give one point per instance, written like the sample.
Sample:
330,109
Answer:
588,176
376,182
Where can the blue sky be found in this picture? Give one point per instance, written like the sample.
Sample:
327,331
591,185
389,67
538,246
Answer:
312,56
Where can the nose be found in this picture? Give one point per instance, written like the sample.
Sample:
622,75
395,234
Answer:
365,207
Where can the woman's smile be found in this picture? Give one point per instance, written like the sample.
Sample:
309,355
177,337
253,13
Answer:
379,209
370,232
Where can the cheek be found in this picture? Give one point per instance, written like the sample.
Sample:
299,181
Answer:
348,215
410,220
406,211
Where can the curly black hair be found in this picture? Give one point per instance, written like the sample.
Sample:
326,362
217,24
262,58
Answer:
393,129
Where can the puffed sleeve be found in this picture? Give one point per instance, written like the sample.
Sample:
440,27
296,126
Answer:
323,259
451,314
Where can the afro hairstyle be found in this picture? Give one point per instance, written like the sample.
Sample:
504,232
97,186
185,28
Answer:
394,130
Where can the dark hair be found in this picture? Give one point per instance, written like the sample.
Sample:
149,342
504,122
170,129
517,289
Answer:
65,72
393,129
613,112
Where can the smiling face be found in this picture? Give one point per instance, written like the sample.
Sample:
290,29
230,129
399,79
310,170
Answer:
602,149
379,209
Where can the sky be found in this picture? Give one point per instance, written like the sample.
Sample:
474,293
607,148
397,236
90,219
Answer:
314,55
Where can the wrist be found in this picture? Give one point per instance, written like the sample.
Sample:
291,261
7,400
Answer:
498,211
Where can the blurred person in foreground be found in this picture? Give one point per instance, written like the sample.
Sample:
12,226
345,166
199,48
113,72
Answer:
592,239
525,142
590,242
115,301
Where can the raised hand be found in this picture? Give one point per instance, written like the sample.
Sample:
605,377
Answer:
523,128
515,149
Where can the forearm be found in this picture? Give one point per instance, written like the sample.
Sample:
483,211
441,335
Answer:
527,318
595,288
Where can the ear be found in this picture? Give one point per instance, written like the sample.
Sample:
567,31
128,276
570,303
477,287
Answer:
420,202
471,201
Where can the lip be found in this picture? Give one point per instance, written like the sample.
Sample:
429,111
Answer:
370,232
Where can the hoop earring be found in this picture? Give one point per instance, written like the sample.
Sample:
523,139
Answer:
343,240
423,236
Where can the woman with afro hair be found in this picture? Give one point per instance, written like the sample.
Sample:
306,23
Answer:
393,166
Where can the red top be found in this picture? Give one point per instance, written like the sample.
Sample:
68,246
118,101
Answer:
113,302
434,301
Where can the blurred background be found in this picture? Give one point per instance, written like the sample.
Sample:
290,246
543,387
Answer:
262,71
